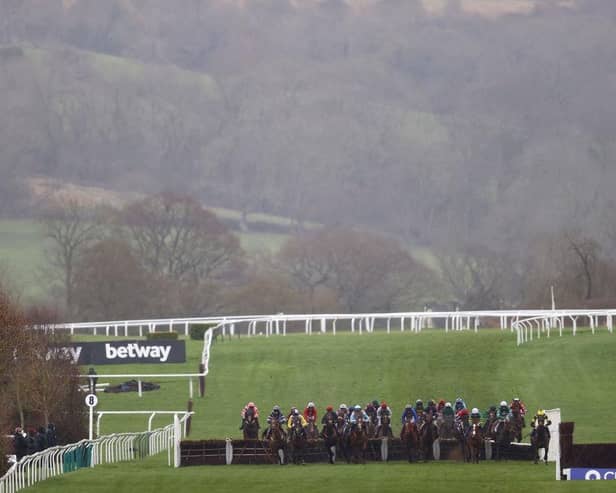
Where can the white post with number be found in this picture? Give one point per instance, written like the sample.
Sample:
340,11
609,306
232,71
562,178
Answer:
91,402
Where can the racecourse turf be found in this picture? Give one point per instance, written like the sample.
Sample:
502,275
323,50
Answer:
573,373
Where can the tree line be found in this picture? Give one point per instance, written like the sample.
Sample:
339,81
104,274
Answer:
166,255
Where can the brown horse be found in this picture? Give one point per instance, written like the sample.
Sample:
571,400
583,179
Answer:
384,429
474,443
251,427
410,438
517,423
330,437
312,431
277,442
502,433
297,440
358,442
428,433
540,438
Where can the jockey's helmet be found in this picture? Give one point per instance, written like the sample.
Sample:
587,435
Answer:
330,408
357,407
448,404
408,406
459,399
311,404
343,406
540,412
503,404
419,402
375,403
251,404
276,408
475,411
295,412
384,405
516,399
431,402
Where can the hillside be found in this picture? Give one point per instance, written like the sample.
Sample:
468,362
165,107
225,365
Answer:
571,373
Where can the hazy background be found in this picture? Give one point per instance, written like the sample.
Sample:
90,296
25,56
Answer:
476,136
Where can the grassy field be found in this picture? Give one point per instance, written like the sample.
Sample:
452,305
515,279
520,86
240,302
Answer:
153,475
575,374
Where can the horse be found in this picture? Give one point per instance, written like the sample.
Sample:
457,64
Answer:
540,438
297,440
502,434
251,426
517,423
277,441
410,438
446,427
474,443
330,437
312,431
462,426
342,445
428,433
384,429
358,441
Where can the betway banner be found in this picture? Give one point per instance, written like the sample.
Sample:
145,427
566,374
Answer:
125,352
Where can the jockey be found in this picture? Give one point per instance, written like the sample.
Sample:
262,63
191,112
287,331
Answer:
419,407
358,414
249,409
431,408
276,415
475,416
459,405
343,411
383,410
519,406
296,416
448,410
462,419
541,414
330,414
310,412
503,411
371,411
441,405
408,413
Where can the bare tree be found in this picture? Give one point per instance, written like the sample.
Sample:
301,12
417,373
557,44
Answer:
586,251
70,228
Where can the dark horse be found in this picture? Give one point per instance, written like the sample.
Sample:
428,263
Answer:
330,436
540,438
502,432
251,426
358,441
410,438
384,429
277,442
517,423
428,433
297,440
342,445
474,443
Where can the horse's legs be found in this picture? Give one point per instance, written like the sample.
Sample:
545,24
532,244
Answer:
545,455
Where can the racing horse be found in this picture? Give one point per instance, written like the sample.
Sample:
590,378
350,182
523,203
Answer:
409,437
358,442
342,445
277,441
502,434
517,423
428,433
297,440
330,437
474,443
312,431
540,438
384,429
251,426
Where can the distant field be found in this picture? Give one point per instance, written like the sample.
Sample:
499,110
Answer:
575,374
153,475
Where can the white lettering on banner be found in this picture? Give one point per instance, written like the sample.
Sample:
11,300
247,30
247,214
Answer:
592,475
136,351
65,352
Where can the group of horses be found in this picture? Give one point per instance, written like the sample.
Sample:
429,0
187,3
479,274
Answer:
418,438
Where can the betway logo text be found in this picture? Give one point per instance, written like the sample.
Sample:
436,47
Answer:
136,351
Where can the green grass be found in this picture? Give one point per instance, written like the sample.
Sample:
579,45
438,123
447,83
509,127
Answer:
575,374
153,475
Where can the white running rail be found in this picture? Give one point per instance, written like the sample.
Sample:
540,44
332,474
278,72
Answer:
107,449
